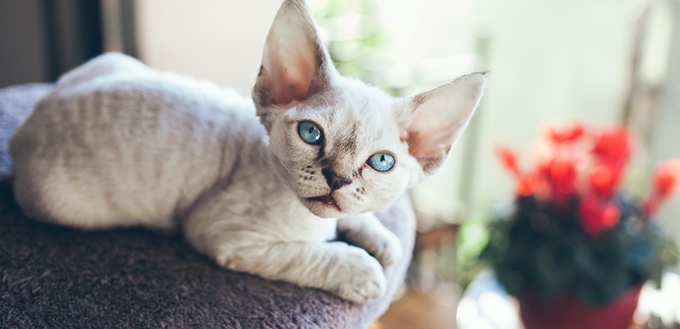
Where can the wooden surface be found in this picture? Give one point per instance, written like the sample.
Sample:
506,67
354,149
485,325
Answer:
435,309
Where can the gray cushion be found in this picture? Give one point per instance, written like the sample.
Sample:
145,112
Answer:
59,277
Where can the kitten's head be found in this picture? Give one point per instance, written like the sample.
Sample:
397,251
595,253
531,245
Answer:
342,146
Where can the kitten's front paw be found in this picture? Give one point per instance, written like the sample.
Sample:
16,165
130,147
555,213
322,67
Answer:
366,231
363,280
388,250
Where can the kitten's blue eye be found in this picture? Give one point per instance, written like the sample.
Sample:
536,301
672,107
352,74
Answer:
381,161
310,133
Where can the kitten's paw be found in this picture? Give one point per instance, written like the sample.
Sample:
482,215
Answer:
388,250
364,280
366,231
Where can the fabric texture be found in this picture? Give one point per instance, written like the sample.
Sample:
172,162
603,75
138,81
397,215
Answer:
58,277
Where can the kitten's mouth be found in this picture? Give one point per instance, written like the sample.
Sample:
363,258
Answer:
326,200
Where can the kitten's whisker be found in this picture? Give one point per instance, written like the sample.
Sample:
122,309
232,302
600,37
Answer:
284,166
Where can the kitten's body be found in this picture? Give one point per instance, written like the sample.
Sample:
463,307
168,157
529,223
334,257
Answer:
180,139
119,144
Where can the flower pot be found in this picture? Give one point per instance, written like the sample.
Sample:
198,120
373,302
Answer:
567,312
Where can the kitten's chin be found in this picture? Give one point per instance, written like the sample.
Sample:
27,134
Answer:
324,207
323,211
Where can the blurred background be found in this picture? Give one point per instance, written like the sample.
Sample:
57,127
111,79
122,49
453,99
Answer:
597,61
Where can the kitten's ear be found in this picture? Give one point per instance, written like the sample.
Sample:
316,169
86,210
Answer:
436,118
295,64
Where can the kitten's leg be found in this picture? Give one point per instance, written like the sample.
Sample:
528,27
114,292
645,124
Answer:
251,246
344,270
366,231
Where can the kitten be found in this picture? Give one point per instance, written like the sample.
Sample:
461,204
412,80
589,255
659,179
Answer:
119,144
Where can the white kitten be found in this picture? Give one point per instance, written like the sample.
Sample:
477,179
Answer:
119,144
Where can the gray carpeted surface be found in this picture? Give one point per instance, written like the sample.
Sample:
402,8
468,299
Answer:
56,277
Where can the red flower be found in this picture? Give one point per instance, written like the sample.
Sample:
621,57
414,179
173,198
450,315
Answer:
666,178
604,179
665,181
563,172
559,159
561,175
509,159
543,153
566,135
598,215
613,145
527,184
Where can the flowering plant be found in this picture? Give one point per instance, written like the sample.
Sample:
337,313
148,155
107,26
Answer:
571,230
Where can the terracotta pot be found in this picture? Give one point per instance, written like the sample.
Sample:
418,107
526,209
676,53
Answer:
567,312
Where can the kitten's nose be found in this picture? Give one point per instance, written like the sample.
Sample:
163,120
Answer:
334,180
